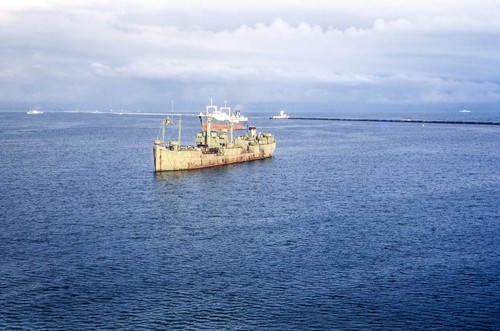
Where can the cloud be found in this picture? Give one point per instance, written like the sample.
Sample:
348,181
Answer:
380,51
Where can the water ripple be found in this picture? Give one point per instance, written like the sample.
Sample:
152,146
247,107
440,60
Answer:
358,226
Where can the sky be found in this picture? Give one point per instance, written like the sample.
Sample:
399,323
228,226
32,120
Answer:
295,54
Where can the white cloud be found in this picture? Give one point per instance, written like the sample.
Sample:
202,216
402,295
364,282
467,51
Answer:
439,51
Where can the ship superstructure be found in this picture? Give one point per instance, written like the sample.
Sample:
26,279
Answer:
222,118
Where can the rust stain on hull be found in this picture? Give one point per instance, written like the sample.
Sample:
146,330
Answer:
167,159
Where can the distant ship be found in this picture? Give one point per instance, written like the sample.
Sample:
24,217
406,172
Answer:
34,112
222,118
464,111
213,148
281,116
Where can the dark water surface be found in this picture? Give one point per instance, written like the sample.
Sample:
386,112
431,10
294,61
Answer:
350,226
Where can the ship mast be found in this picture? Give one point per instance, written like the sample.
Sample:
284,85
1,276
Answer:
179,123
163,131
179,129
209,128
228,109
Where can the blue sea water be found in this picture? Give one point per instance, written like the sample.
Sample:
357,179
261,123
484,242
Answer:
352,225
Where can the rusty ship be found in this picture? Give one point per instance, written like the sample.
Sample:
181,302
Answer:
213,147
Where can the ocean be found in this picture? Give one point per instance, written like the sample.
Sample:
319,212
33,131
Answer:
351,225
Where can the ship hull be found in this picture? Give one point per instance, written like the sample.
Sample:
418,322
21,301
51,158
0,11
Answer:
168,159
218,124
223,126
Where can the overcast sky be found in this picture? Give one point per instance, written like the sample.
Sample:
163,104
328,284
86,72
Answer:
140,55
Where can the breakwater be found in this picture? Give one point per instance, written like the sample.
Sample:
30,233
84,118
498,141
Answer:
396,120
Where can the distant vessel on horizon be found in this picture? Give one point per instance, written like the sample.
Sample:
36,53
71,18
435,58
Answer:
222,118
34,112
464,111
281,116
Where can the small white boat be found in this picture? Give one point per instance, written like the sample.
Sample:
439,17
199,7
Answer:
464,111
281,116
34,112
